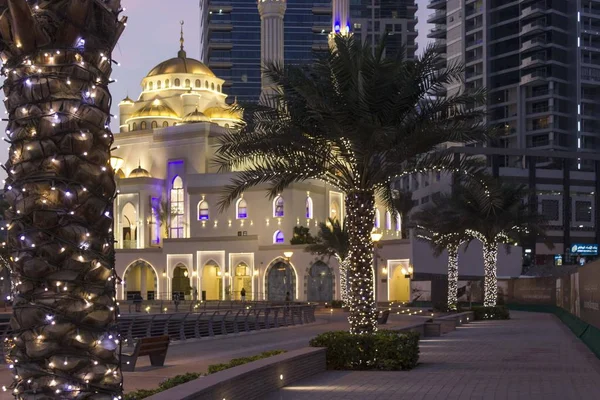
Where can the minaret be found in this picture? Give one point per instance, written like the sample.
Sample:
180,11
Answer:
271,37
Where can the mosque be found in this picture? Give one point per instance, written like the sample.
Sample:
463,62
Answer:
172,238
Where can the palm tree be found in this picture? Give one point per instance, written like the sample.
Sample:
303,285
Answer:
332,241
355,120
440,225
60,187
495,213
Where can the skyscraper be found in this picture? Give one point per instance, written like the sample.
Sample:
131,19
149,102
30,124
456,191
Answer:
540,62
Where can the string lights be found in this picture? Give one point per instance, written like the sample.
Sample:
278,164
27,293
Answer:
64,341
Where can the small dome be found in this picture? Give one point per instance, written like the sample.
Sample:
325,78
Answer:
155,108
140,172
127,100
180,65
222,113
195,116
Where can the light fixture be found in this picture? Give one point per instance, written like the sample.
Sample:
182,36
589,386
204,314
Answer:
255,272
164,273
116,163
376,236
185,273
288,254
219,273
384,270
404,271
194,273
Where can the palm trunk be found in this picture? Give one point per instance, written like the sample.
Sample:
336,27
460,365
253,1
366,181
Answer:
452,277
490,257
360,214
64,341
344,264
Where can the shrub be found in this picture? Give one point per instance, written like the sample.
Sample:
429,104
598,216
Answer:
384,350
498,312
337,304
242,360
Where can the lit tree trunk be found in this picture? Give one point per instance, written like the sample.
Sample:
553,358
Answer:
344,265
452,277
490,257
64,341
360,214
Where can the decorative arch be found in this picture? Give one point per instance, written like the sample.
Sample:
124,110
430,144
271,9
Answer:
309,207
177,208
218,88
197,83
167,83
158,84
188,83
154,125
203,211
206,84
278,205
241,208
165,124
177,82
143,125
150,294
242,278
275,284
377,218
212,86
151,85
278,237
388,220
398,222
181,283
211,280
129,226
319,282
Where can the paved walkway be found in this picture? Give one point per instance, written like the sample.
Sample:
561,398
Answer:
531,357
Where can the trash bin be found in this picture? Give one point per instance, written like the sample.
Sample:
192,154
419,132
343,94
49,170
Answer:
204,295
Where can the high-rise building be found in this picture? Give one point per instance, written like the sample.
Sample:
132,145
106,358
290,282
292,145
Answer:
372,18
231,40
538,59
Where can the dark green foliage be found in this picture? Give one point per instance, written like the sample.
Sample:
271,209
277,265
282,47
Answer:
498,312
337,304
331,241
190,376
383,350
302,236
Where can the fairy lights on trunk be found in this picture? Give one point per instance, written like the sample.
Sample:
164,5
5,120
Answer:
64,341
452,277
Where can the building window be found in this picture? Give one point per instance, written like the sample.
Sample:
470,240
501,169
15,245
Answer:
188,83
151,85
177,208
158,84
165,124
550,209
278,207
377,219
583,211
167,83
388,220
218,88
241,209
203,211
143,125
212,86
198,83
206,84
154,125
309,207
177,82
398,222
134,126
278,237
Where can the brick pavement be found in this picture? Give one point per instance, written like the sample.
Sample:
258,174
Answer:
531,357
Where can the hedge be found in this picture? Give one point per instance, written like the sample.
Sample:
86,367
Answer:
190,376
498,312
383,350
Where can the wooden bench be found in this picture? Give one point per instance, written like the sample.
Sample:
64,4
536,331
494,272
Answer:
154,347
383,317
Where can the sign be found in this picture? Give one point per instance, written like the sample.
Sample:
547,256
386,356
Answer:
558,261
585,249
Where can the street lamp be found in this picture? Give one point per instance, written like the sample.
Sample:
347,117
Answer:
288,255
375,238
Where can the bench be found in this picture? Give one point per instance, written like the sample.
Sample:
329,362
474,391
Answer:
383,317
154,347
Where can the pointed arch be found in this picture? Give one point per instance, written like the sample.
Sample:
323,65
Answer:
277,281
241,208
278,204
278,237
309,207
377,218
152,291
388,220
398,222
177,209
203,211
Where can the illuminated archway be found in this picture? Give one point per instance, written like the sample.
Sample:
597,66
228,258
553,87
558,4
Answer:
140,277
211,283
399,285
242,279
320,285
280,278
180,284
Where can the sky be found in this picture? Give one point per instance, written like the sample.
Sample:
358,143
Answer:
152,36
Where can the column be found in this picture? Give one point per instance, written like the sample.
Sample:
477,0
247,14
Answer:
271,38
143,281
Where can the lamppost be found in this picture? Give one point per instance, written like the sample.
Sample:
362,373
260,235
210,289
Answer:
287,256
375,237
408,274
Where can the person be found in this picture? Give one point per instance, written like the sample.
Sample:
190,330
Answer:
176,301
137,300
243,295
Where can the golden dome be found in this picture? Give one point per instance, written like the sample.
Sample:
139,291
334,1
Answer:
155,108
195,116
222,113
140,172
181,65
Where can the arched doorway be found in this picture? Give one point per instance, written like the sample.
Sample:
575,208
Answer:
242,279
320,283
129,227
211,282
140,278
181,282
281,279
399,285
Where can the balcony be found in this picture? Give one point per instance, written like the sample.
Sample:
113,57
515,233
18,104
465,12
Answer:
534,60
436,4
535,43
438,17
534,10
536,26
475,42
473,10
534,77
437,33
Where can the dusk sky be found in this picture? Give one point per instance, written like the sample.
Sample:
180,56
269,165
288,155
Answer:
152,36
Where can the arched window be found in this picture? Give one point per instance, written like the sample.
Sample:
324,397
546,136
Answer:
143,125
151,85
177,208
309,207
145,85
198,83
212,86
154,125
278,207
165,124
227,126
241,209
174,123
278,237
177,82
218,88
167,83
388,220
206,84
377,219
398,222
158,84
134,126
203,211
188,83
